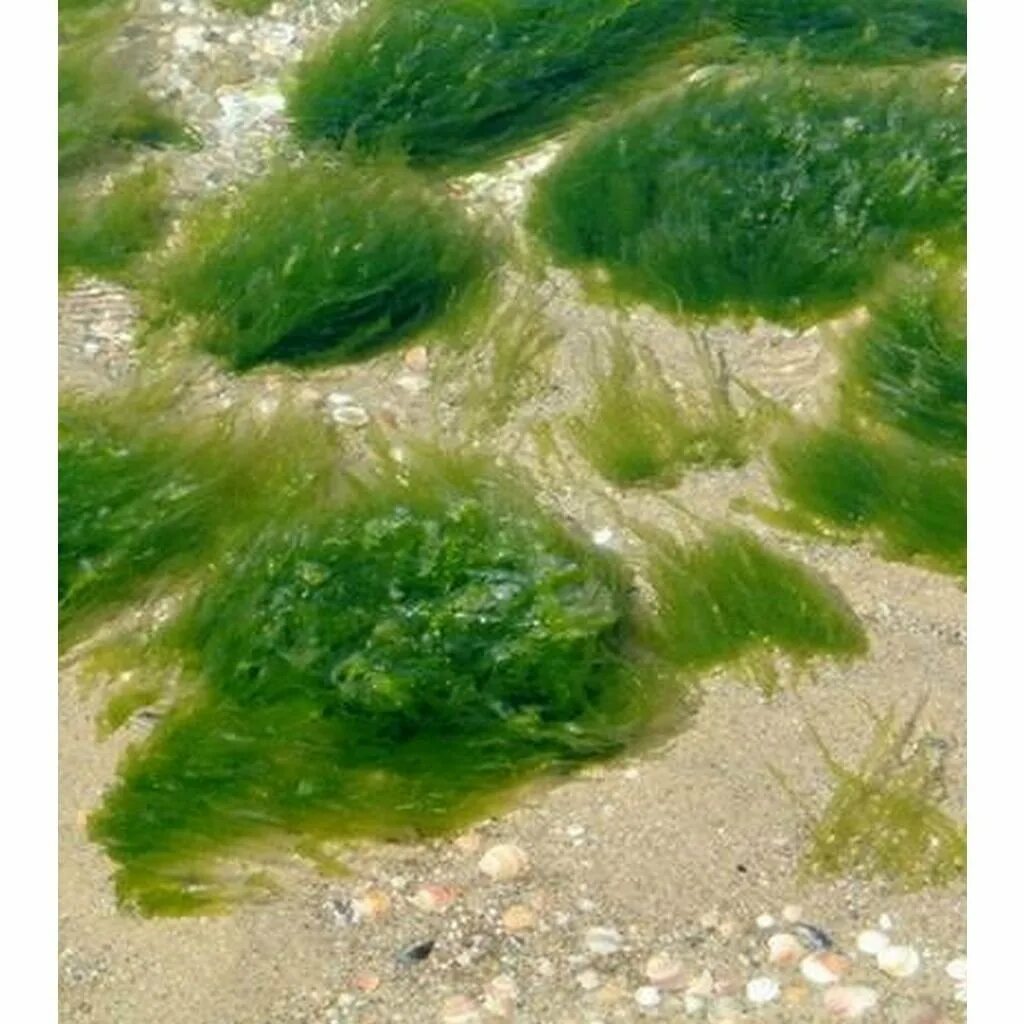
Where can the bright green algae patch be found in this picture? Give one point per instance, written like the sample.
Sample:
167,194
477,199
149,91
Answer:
781,194
893,463
377,669
732,596
320,261
466,80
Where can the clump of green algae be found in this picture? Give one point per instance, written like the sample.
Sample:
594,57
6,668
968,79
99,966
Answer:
319,261
779,193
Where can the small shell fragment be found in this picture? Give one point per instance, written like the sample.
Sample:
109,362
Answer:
434,899
664,971
602,941
957,969
872,942
518,918
785,950
647,997
792,912
371,906
703,986
848,1002
823,968
765,921
762,990
504,862
898,961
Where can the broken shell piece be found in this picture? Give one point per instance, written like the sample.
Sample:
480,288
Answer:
518,918
785,950
371,906
504,862
823,968
898,961
957,969
765,921
664,971
762,990
647,997
872,942
602,941
434,899
703,986
848,1002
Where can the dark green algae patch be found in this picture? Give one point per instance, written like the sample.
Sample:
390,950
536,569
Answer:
395,666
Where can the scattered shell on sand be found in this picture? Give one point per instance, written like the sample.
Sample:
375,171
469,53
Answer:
664,971
459,1010
873,942
602,941
518,918
647,997
762,990
366,982
785,950
848,1002
702,986
504,862
371,906
765,921
957,969
823,968
898,961
434,899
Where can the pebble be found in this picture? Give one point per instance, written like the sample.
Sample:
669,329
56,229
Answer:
647,997
602,941
823,968
762,990
588,980
812,936
848,1002
434,899
371,906
664,971
504,862
898,961
416,953
785,950
872,942
416,359
957,969
459,1010
765,921
518,918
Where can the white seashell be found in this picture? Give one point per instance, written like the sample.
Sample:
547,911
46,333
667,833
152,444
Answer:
504,862
703,986
898,961
602,941
818,969
664,971
765,921
848,1002
872,942
957,969
785,950
647,997
762,990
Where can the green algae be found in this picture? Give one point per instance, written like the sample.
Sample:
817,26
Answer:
638,430
780,193
319,262
467,80
378,669
730,597
884,819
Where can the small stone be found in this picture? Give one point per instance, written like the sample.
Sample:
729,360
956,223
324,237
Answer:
602,941
792,912
823,968
459,1010
762,990
785,950
664,971
848,1002
702,986
434,899
588,980
872,942
647,997
898,961
371,906
504,862
765,921
518,918
366,982
957,969
416,953
416,359
812,936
